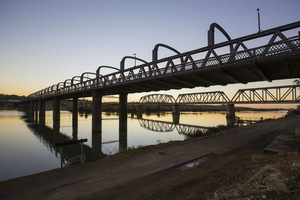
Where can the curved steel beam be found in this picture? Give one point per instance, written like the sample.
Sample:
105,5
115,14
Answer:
157,98
58,85
74,79
68,81
155,51
122,63
53,87
48,89
84,73
211,34
104,66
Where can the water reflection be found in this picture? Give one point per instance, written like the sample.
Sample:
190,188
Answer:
164,126
49,137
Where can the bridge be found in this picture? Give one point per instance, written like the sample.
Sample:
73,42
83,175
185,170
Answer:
266,95
268,55
273,95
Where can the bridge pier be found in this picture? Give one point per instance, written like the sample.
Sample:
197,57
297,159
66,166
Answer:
42,110
123,98
36,108
75,118
96,112
56,114
96,146
123,144
31,111
140,111
175,113
230,115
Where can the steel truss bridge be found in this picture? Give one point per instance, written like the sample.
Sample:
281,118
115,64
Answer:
280,94
264,56
162,126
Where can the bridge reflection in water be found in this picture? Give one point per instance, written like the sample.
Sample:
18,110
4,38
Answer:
185,129
50,136
113,141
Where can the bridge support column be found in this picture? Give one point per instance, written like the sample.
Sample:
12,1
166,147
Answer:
42,110
97,112
97,146
36,113
56,114
230,115
140,111
75,118
31,114
123,111
175,113
123,144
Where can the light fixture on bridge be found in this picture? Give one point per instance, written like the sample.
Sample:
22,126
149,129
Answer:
258,18
134,59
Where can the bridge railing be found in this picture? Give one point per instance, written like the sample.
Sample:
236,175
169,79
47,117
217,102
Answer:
186,61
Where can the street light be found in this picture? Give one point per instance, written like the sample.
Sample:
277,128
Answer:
134,59
258,15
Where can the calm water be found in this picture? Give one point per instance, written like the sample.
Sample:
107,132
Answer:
28,148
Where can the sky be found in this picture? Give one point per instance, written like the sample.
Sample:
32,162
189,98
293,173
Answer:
43,42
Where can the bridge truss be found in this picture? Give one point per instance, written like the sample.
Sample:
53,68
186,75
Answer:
283,94
157,99
274,95
203,97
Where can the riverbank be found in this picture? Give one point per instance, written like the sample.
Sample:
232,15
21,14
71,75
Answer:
229,162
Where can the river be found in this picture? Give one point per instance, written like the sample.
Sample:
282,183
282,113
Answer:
28,148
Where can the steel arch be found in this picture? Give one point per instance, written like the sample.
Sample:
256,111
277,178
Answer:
122,63
216,97
157,99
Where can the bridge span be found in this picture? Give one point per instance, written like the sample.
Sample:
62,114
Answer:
268,55
289,94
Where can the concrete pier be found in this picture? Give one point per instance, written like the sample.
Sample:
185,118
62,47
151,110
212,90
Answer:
140,111
230,115
75,118
123,143
42,110
36,117
123,111
96,112
56,114
32,111
175,113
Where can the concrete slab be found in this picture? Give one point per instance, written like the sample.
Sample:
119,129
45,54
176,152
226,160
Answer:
284,143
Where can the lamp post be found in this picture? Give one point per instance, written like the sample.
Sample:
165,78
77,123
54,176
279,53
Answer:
258,18
134,59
